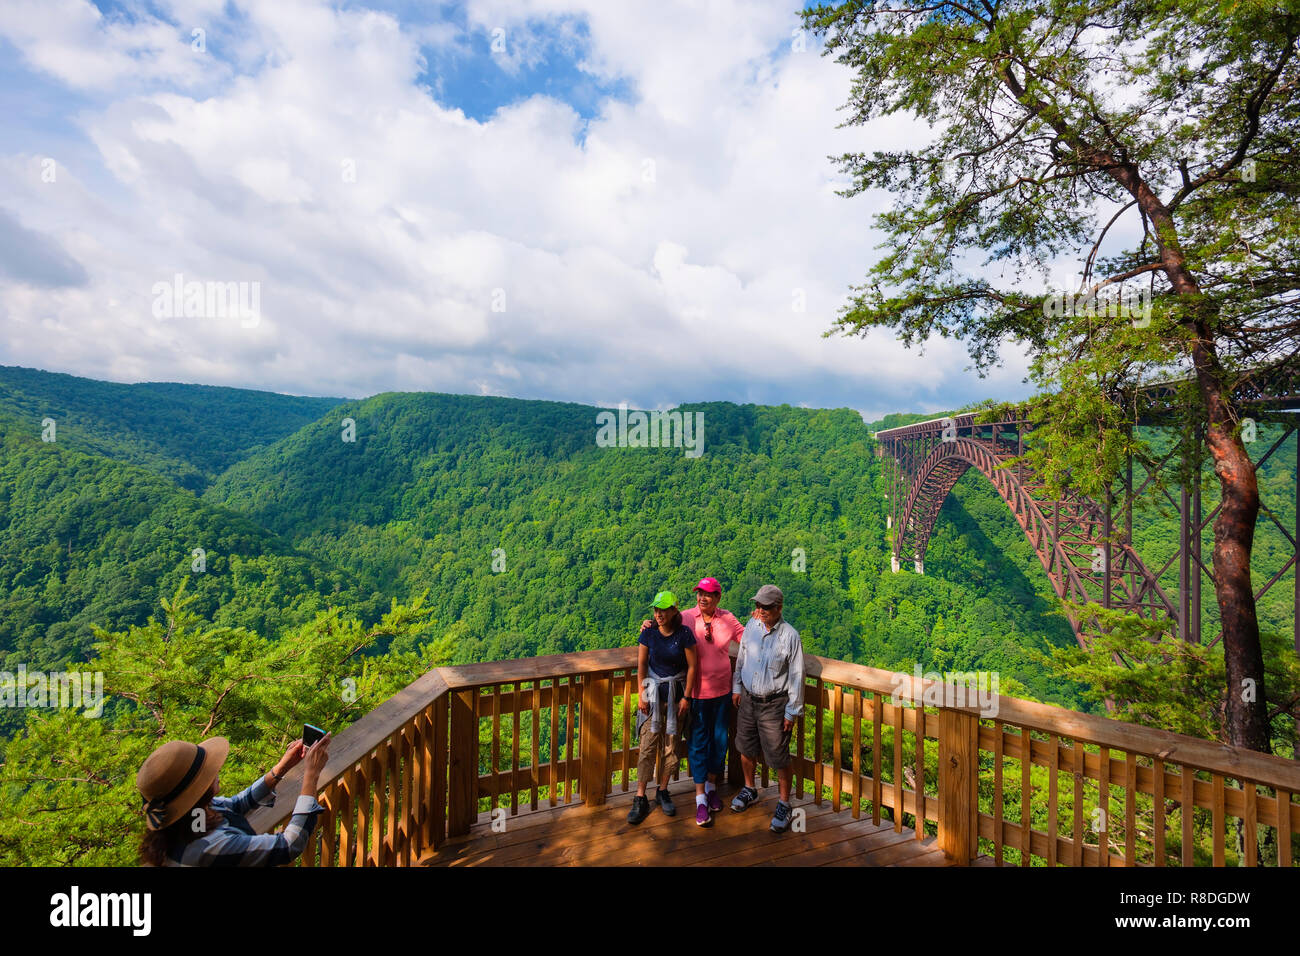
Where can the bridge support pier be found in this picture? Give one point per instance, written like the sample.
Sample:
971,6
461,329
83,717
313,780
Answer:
919,565
893,563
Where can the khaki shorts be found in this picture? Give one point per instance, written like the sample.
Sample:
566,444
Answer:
660,748
760,727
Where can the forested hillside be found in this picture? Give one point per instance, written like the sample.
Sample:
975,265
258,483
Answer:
528,537
96,523
436,486
188,434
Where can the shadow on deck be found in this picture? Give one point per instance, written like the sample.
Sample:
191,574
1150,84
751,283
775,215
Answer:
577,835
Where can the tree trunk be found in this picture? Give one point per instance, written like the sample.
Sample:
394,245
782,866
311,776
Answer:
1234,529
1234,533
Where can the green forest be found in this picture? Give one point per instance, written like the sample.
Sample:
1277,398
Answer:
175,537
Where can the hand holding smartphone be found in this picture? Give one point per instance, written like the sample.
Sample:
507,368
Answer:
310,735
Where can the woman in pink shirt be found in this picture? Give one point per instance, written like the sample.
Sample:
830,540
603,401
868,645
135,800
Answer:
714,630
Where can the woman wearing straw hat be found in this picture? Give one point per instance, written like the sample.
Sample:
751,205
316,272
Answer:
189,825
666,665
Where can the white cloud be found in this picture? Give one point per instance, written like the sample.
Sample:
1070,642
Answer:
386,279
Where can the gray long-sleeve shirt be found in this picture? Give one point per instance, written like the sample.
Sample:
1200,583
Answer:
770,662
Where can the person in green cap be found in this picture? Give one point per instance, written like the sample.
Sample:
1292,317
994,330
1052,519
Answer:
666,666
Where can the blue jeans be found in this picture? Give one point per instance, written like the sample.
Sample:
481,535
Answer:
708,747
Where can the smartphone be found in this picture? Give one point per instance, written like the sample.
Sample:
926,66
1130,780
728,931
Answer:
311,734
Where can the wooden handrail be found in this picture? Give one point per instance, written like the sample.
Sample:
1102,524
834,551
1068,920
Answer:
353,743
1048,718
407,775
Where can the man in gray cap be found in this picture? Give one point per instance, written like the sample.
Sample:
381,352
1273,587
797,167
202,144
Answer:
767,690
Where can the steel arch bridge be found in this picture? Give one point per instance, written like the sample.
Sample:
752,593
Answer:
1084,545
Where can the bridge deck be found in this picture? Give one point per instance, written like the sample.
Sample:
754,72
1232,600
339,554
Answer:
577,835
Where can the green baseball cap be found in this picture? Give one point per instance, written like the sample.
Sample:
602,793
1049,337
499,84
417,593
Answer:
664,600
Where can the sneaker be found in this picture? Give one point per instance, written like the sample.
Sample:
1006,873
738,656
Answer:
666,803
715,801
702,816
781,818
640,810
744,798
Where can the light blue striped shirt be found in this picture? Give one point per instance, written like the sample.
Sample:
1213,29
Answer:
234,843
770,662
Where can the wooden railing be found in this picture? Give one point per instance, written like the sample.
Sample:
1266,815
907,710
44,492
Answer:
508,737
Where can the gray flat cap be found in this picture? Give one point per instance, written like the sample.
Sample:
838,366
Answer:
769,594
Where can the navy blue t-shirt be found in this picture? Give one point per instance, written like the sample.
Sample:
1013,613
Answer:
667,654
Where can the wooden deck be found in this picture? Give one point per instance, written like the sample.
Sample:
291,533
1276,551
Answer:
580,836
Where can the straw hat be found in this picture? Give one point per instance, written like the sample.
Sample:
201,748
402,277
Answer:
176,776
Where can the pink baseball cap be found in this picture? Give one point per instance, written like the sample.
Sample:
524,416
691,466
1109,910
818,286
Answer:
709,584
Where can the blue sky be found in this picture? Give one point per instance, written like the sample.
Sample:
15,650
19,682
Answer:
579,201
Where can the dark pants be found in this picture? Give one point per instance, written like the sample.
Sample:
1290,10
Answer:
709,720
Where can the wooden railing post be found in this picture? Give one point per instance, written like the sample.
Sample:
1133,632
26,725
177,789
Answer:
593,752
462,784
958,780
436,760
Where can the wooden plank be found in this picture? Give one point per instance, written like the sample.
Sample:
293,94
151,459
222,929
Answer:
496,744
798,775
407,755
1053,820
1026,792
1249,823
594,768
308,858
627,729
439,765
837,711
958,762
857,754
327,824
888,855
347,831
1130,805
997,791
361,857
462,762
877,716
394,784
919,731
852,851
378,784
817,749
898,768
1079,768
1103,802
1284,828
570,699
1188,813
1216,781
537,740
514,748
554,779
1158,810
530,668
419,797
